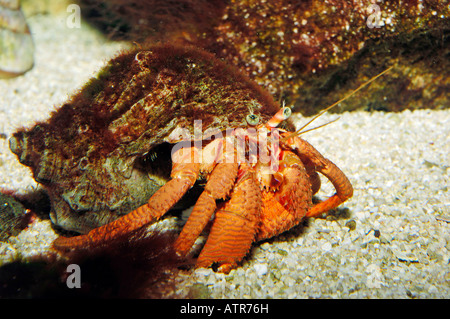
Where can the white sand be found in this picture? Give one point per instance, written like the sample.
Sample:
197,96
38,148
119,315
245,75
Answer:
398,164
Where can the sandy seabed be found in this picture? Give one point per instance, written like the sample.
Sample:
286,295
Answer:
398,164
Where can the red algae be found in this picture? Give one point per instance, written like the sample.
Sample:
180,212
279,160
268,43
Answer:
310,53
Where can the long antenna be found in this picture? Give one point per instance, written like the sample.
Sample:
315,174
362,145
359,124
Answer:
336,103
317,127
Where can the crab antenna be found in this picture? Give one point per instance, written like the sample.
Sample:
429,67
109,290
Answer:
299,131
317,127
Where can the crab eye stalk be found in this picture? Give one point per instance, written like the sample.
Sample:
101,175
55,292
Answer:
286,112
252,119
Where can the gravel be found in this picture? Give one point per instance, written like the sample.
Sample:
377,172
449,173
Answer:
389,241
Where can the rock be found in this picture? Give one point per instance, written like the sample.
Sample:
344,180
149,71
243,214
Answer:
153,20
309,53
375,277
406,256
13,217
351,224
260,269
313,53
203,272
199,291
326,247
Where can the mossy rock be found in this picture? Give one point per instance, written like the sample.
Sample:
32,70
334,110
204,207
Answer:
12,217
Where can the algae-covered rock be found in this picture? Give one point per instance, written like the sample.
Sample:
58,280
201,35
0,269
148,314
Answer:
312,53
309,53
153,20
13,217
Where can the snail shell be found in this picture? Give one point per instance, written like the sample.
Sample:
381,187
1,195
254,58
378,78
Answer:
16,44
107,150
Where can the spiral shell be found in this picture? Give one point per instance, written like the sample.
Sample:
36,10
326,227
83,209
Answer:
16,44
107,150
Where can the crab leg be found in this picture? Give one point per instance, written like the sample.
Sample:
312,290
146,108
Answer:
220,182
218,186
344,189
184,174
235,225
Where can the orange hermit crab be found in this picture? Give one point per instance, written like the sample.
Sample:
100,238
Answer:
261,199
260,178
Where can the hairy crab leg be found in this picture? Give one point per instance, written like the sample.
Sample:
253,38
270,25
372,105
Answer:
184,174
235,225
219,184
314,179
344,189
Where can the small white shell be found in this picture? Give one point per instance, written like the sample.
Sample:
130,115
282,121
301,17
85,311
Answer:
16,44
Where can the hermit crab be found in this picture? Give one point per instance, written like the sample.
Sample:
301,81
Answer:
153,124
